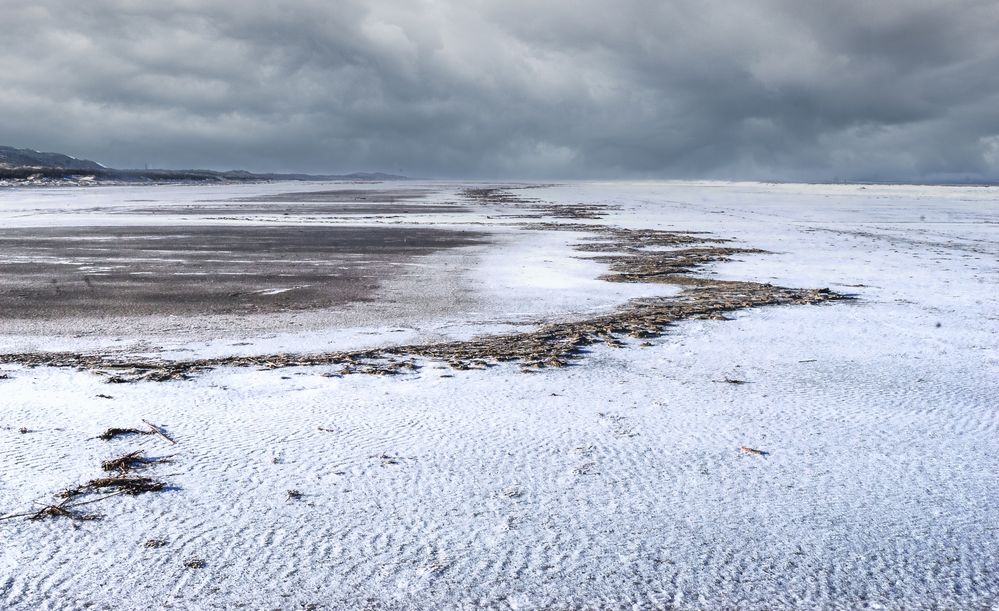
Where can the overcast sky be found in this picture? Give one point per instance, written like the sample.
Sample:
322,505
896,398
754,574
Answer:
769,89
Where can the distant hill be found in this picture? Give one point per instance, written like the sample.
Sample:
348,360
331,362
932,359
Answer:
25,166
11,157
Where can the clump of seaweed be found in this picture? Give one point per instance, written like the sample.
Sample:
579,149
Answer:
141,373
121,482
130,462
115,432
133,485
124,463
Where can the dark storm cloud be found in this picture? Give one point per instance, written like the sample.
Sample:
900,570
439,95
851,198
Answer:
513,88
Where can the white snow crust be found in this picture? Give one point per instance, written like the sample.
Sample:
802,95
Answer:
614,483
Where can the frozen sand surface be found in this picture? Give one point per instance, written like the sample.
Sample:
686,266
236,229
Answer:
616,482
83,270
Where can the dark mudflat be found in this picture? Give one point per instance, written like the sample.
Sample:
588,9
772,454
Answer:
341,196
53,273
314,203
237,209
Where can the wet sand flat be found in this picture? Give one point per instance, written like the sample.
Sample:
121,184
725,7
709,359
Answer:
60,272
297,209
335,202
340,196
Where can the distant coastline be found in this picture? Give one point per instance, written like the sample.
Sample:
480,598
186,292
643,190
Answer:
26,167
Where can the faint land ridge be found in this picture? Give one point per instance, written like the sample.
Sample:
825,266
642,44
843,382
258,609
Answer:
11,158
30,167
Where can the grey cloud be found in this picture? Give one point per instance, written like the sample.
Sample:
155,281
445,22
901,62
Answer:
771,89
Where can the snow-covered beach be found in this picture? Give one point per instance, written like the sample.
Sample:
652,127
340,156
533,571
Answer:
616,481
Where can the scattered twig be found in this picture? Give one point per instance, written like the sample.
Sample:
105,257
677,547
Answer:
61,510
106,496
15,515
159,432
57,511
